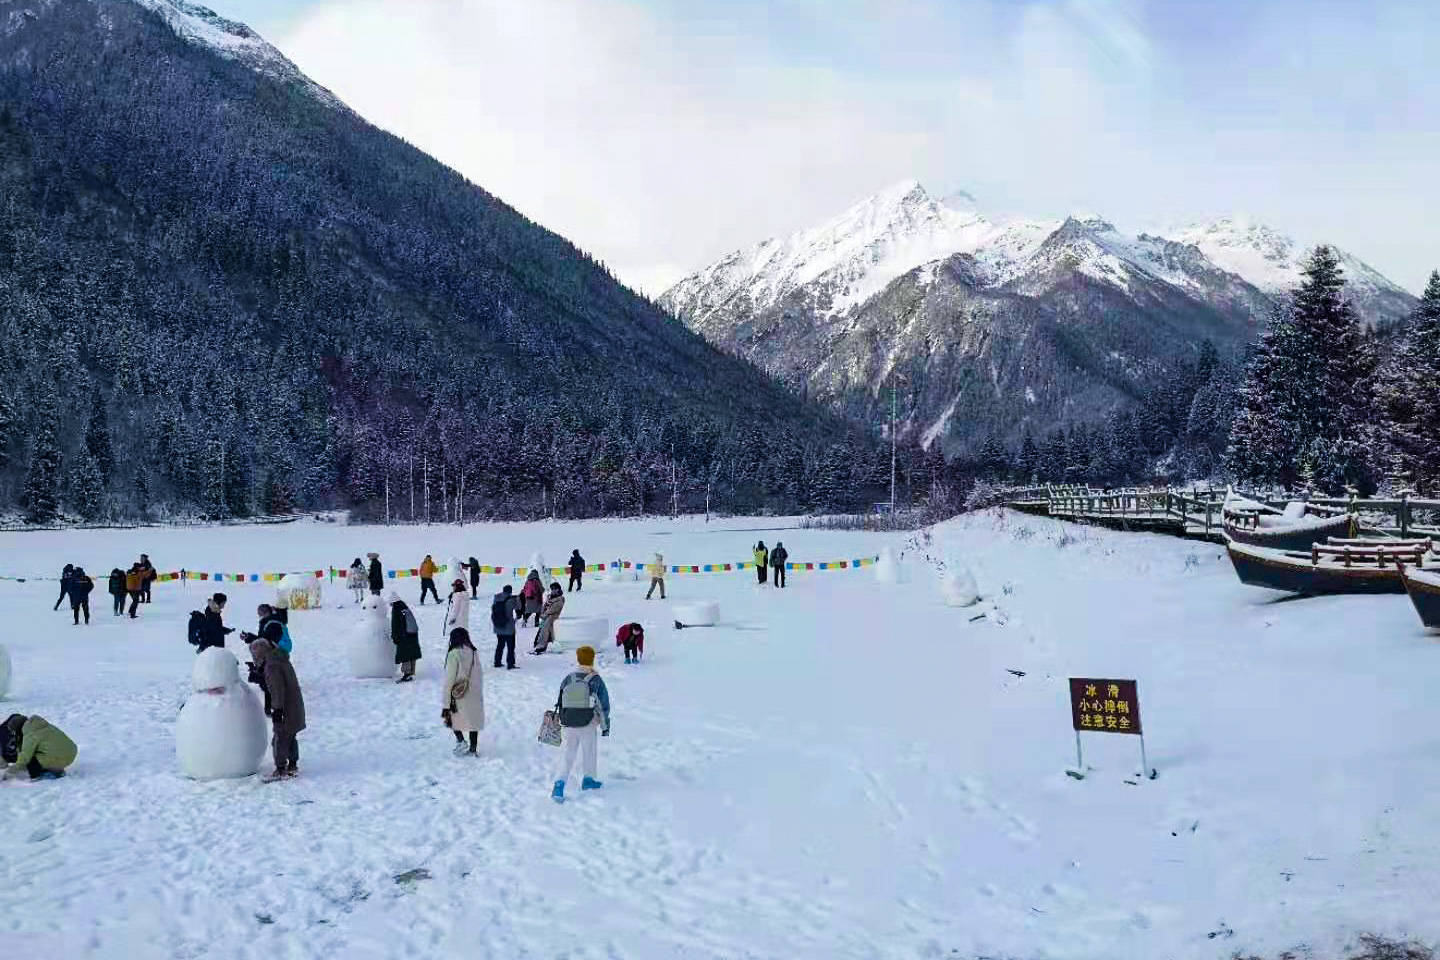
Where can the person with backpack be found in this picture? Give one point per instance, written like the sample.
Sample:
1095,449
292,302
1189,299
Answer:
376,575
584,708
577,572
427,579
35,746
213,630
554,604
631,636
65,576
502,620
357,580
287,704
657,577
147,577
762,560
116,587
405,634
463,692
778,556
266,614
474,567
532,596
80,587
134,583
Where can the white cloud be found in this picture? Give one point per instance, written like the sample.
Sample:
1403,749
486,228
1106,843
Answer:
658,135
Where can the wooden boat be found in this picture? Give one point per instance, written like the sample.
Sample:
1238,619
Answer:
1328,569
1280,533
1423,586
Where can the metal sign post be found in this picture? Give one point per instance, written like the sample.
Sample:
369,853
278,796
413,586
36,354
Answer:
1106,706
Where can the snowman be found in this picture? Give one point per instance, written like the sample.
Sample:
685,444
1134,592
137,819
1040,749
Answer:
957,585
537,562
888,569
371,651
4,671
455,569
220,733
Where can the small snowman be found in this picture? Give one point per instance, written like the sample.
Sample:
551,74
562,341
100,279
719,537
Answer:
220,733
957,585
371,651
455,569
888,569
537,562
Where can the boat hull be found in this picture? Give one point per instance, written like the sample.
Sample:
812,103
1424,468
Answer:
1275,570
1424,594
1300,536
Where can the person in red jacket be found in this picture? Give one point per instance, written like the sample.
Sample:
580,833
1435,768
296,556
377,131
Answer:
631,636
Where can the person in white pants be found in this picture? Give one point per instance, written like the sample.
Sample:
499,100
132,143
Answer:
584,708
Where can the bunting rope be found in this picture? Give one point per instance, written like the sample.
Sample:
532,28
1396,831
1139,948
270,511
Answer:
334,573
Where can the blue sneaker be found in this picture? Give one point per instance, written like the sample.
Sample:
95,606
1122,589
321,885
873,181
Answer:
589,784
558,794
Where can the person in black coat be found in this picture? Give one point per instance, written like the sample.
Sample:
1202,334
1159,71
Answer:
80,587
213,633
377,575
65,576
778,556
405,634
474,568
148,577
117,591
577,571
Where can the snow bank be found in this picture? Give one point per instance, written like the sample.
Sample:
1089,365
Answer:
698,613
220,732
4,671
369,649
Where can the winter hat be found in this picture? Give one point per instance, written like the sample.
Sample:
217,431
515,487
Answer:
394,597
585,656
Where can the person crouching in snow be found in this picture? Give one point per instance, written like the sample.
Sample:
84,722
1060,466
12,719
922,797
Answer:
405,634
548,615
463,709
32,745
287,704
584,708
631,636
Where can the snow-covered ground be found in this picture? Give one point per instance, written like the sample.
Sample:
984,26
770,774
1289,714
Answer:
845,769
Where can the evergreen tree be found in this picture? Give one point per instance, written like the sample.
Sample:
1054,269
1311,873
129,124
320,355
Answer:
97,441
1307,400
1028,460
1410,393
42,481
87,487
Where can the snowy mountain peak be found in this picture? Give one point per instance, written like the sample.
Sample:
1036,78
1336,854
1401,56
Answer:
230,39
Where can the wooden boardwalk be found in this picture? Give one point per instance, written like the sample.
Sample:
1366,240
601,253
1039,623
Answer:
1197,513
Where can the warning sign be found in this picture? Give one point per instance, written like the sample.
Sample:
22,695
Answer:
1105,706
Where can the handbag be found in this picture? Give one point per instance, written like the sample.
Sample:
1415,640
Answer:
550,728
461,686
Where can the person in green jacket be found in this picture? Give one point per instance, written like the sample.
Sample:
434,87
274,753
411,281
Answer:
41,750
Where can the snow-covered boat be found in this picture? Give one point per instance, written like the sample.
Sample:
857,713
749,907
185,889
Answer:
1260,525
1330,568
1423,586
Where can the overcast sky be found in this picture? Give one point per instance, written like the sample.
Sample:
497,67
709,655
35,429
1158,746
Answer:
661,134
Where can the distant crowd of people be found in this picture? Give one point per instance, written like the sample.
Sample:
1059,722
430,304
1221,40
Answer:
134,583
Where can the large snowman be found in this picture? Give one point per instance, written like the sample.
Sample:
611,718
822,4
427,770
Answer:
371,651
220,733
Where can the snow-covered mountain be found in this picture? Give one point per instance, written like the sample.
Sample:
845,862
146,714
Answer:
1050,320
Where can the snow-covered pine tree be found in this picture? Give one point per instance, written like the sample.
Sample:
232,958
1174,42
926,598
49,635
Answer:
86,485
97,440
42,482
1409,388
1308,400
1027,460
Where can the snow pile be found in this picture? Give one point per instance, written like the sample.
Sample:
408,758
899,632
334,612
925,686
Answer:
578,631
1294,510
888,569
957,585
370,651
698,613
4,671
220,732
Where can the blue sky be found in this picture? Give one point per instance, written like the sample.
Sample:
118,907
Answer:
659,134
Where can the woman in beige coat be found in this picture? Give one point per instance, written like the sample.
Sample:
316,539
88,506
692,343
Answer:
463,694
548,615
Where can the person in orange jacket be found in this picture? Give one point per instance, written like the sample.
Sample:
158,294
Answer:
427,579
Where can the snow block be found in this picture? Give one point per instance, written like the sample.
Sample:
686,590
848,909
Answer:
370,650
4,671
888,569
220,733
957,585
697,613
575,632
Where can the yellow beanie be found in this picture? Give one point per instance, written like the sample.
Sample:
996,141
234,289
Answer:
585,656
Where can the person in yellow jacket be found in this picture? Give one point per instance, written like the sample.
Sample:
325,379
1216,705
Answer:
427,579
39,749
657,577
762,561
